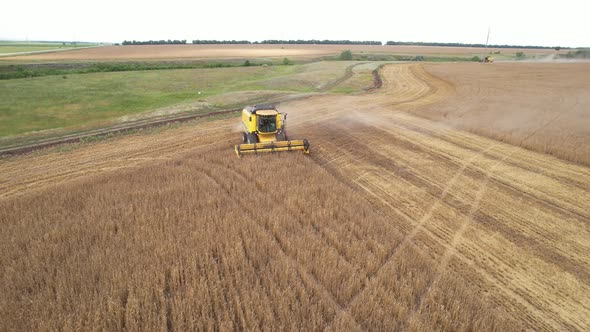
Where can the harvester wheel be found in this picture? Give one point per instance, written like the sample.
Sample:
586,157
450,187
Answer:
281,136
252,138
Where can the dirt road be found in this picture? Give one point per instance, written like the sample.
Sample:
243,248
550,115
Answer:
512,222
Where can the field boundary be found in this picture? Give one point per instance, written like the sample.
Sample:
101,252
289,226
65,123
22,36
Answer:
117,129
18,149
53,50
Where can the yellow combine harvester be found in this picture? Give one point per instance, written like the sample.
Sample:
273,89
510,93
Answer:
264,131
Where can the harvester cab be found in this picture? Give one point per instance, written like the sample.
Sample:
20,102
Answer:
264,130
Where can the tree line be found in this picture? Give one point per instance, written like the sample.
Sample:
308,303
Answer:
578,54
298,41
201,42
154,42
270,41
468,45
325,42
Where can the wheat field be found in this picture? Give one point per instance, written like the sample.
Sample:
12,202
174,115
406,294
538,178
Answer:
195,243
393,222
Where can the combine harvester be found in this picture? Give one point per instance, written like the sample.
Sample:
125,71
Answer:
264,131
488,58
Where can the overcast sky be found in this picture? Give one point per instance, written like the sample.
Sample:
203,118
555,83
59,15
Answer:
525,22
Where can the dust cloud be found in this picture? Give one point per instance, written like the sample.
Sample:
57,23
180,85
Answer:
553,58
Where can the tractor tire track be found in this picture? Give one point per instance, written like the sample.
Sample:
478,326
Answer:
423,177
308,278
350,168
452,249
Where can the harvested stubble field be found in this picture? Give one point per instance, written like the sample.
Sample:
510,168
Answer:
393,222
539,107
255,51
10,48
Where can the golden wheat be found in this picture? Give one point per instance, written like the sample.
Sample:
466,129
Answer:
197,243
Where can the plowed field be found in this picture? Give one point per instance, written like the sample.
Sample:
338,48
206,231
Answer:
263,50
394,221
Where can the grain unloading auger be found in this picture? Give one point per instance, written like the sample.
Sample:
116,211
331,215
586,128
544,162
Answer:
264,130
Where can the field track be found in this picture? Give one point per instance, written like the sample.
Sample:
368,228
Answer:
512,223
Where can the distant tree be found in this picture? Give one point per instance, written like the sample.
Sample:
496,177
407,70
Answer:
299,41
578,54
286,62
520,55
247,63
558,48
207,42
463,45
346,55
324,42
155,42
476,58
